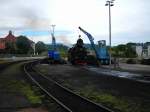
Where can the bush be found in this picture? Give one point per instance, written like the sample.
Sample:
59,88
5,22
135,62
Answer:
145,61
131,61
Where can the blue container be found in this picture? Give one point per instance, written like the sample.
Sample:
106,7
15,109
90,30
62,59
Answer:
55,55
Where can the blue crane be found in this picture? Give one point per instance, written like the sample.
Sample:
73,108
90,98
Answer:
101,52
53,54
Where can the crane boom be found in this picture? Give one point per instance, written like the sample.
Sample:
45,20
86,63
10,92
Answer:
90,37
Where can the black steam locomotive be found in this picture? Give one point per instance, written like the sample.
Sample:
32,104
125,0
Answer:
78,53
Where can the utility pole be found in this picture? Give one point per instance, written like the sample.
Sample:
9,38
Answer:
34,48
110,3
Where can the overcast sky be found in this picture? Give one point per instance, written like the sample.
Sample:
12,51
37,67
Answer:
130,19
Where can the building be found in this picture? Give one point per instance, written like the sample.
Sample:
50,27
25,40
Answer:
139,51
149,51
143,50
9,38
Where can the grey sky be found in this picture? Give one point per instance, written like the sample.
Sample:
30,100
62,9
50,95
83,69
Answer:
130,19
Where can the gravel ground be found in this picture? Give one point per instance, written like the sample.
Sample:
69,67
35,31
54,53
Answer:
33,110
138,67
9,97
136,76
13,58
120,94
17,95
135,68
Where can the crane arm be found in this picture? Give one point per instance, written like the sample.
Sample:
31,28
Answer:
90,37
88,34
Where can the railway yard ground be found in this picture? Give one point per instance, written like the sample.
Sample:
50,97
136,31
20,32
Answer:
18,94
133,68
121,94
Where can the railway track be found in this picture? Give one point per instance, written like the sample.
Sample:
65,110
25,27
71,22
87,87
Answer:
68,100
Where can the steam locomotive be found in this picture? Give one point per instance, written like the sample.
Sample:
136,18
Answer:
78,53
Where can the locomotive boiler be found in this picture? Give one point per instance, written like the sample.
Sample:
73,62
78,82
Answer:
78,53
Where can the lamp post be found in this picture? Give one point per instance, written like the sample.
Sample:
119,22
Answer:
110,3
34,48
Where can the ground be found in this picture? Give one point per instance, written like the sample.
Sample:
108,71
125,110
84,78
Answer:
18,94
15,93
136,68
33,110
119,94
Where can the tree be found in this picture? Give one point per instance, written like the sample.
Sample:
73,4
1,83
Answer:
115,51
121,47
40,47
126,51
130,51
119,51
10,47
23,45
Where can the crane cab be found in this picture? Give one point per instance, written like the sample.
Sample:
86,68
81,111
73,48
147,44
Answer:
103,52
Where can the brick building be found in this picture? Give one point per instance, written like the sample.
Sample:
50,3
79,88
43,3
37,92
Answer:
9,38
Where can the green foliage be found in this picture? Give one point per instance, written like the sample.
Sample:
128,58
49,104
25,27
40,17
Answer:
130,53
25,89
63,51
10,47
117,103
23,45
40,47
126,51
